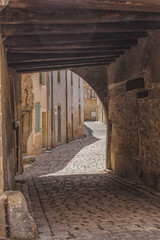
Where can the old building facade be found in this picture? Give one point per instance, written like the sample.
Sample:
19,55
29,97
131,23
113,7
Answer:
93,108
52,110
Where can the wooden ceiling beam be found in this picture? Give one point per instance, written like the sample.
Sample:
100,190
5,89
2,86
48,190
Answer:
14,58
52,48
49,39
41,44
54,68
121,5
66,16
46,29
37,64
73,50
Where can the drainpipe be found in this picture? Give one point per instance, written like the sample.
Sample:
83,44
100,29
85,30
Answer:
52,111
66,108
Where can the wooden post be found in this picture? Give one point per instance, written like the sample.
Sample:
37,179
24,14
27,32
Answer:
2,213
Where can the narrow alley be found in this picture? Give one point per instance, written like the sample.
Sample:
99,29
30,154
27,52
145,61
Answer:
71,196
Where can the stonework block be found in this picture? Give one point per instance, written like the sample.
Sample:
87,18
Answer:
21,224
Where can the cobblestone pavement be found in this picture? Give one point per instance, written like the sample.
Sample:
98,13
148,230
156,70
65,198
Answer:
72,197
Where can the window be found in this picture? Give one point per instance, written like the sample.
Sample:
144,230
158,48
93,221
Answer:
37,117
93,114
42,78
91,93
59,76
88,93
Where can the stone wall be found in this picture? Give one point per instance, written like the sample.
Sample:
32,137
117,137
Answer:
134,111
129,90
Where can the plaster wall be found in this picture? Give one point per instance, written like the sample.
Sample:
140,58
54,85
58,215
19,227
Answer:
75,106
39,91
100,116
90,104
59,100
68,94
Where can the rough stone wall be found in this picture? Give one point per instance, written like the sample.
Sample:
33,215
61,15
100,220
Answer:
134,111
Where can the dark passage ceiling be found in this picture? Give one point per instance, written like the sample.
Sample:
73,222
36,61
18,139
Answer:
58,34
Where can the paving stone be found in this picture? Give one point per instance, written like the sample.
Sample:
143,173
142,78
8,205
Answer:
72,197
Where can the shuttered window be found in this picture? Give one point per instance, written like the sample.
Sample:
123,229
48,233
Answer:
37,117
42,78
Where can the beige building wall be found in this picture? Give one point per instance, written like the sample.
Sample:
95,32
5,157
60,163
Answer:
60,103
66,106
100,113
59,107
90,103
75,106
37,136
93,108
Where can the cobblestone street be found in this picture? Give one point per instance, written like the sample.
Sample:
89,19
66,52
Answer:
72,197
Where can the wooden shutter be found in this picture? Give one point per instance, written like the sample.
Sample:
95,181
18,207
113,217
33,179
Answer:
42,78
37,117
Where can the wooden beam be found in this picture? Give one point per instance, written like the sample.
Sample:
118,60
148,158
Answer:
41,44
60,38
46,29
23,30
48,69
73,50
70,47
17,57
69,15
39,64
121,5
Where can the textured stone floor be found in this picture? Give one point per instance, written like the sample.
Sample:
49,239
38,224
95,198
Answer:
71,197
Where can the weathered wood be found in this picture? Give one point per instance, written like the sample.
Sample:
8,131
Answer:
48,69
45,29
69,50
72,46
66,33
39,44
64,16
16,57
51,63
49,39
139,5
